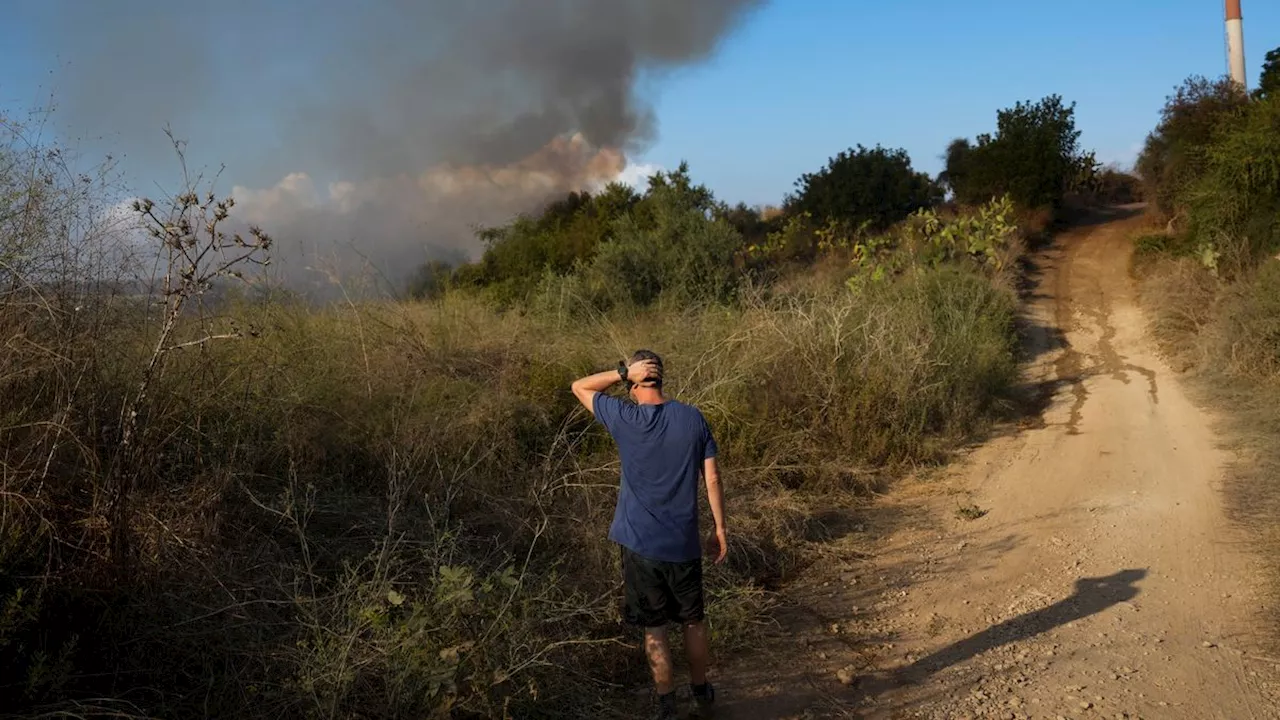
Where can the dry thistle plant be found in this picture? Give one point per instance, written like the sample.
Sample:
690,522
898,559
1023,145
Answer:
197,253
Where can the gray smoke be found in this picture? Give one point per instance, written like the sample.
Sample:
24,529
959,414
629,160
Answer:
392,124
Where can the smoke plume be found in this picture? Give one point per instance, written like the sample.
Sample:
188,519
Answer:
392,125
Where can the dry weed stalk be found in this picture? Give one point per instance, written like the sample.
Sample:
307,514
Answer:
197,253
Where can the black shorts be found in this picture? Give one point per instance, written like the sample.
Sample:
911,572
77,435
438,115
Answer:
656,592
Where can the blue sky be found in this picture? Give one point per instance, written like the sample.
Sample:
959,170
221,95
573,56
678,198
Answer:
803,79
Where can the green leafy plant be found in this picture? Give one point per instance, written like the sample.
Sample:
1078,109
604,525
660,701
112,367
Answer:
982,237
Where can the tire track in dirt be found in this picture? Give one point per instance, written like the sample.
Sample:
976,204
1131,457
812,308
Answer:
1105,580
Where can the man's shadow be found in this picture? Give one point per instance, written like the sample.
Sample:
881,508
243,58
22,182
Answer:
1091,596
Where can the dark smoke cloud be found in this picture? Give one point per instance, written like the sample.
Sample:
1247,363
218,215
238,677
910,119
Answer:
377,102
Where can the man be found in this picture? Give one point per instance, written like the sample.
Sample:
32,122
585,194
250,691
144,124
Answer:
664,446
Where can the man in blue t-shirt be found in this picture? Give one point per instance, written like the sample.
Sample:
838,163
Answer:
665,446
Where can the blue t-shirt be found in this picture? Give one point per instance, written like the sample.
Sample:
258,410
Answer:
662,448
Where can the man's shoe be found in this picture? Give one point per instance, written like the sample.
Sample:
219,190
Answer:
665,707
705,698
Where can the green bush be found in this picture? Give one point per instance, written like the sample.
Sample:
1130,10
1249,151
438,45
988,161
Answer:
796,241
1212,166
1233,205
986,239
984,235
1174,153
859,187
684,258
431,280
673,241
564,234
1034,157
1153,244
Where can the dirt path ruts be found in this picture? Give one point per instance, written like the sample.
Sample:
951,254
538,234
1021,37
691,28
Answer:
1104,580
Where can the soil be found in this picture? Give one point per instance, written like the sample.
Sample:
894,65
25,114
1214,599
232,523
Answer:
1078,565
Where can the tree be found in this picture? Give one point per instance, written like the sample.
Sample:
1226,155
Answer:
1113,186
682,189
861,185
1174,153
1269,83
955,170
1034,157
750,222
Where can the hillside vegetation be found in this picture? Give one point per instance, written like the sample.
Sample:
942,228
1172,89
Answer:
260,508
1209,273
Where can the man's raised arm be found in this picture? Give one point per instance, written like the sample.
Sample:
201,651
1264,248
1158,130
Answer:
585,389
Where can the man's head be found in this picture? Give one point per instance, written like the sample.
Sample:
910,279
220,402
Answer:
654,380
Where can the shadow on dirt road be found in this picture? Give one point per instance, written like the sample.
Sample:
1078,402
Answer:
1091,596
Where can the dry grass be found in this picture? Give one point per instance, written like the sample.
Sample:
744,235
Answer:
1181,297
1228,336
399,508
254,508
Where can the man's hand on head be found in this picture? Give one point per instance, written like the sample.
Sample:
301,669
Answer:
643,370
586,389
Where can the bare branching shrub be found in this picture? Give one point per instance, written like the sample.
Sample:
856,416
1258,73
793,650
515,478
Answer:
196,252
60,276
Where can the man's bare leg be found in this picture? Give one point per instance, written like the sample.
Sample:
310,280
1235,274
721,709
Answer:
697,648
658,649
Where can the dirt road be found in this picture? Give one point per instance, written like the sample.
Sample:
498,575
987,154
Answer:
1103,580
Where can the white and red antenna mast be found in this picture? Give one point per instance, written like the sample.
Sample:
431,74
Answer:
1235,44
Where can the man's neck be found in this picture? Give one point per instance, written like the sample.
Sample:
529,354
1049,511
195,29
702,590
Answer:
649,396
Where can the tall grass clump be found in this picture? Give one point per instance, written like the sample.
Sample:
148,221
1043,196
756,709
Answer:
215,503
